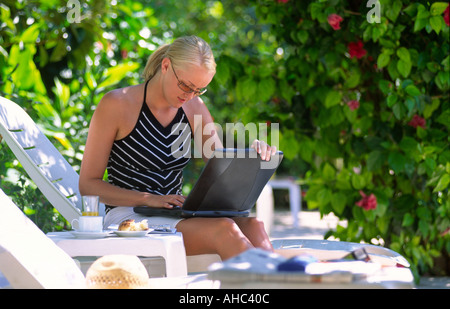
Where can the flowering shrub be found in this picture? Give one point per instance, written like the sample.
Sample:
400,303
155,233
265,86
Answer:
356,50
417,121
335,21
364,107
367,202
353,104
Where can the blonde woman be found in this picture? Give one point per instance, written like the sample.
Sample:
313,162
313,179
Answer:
130,136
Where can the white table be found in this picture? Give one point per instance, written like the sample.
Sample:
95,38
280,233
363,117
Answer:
168,246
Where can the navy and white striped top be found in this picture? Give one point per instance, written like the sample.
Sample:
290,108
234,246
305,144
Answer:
152,157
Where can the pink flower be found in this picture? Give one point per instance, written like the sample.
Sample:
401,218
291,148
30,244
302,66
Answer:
447,15
367,202
417,121
282,1
355,49
335,21
353,104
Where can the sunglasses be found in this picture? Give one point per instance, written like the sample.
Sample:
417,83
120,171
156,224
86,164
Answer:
186,88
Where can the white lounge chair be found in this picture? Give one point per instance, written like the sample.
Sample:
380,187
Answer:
58,181
31,260
53,175
28,258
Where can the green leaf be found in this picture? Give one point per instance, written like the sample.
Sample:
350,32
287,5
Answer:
403,54
412,90
393,10
404,67
424,213
59,51
422,11
397,161
411,10
289,143
223,71
442,183
302,36
430,108
442,80
266,89
436,23
444,118
383,60
353,80
438,8
316,10
90,80
343,181
287,92
328,172
62,92
324,196
424,227
31,34
338,202
115,74
358,214
407,220
391,100
383,224
358,181
43,56
306,151
398,110
375,160
408,144
29,211
446,63
332,98
420,23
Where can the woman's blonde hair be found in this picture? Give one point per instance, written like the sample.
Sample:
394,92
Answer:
184,50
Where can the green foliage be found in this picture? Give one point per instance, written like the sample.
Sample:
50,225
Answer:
395,144
363,110
25,194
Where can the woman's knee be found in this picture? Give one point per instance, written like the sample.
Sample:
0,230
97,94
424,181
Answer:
226,227
227,231
251,224
213,235
256,223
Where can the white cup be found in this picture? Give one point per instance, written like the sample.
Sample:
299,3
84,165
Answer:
89,224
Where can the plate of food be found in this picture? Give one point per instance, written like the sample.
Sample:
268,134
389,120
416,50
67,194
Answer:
130,228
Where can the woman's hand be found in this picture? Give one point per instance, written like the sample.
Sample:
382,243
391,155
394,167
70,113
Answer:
166,201
264,150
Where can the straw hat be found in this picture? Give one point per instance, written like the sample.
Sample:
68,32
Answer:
117,272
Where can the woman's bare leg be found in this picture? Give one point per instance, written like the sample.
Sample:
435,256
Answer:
224,236
213,235
253,229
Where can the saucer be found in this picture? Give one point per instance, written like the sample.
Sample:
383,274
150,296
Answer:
79,234
131,233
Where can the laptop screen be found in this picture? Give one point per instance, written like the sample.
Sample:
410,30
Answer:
231,180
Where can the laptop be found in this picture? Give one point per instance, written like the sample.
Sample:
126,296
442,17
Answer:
228,186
